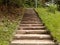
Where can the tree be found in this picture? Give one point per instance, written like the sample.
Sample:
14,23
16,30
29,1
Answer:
58,5
8,4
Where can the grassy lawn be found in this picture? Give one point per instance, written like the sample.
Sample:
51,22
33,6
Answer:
8,24
51,20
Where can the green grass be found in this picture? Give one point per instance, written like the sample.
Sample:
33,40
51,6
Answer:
8,24
51,20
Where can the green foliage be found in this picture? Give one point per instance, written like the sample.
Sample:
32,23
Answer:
0,2
51,20
8,25
29,3
52,8
58,5
19,3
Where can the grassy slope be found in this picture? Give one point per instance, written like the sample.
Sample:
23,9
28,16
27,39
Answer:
52,21
8,23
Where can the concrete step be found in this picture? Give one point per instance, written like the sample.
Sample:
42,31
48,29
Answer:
30,22
31,25
29,16
32,28
34,17
31,32
32,36
32,42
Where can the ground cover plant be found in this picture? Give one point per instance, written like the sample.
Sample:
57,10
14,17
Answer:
11,13
8,24
51,20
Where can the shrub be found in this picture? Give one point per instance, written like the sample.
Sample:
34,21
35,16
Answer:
58,4
0,2
12,2
52,8
17,2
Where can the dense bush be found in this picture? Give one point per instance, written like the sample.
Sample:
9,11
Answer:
52,8
12,2
0,2
10,5
58,5
18,3
32,3
29,3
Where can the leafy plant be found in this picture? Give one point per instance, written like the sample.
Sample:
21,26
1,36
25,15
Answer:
1,2
58,5
52,21
52,8
17,2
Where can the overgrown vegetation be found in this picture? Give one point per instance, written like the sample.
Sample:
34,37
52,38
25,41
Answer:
9,5
58,5
52,8
51,20
11,13
8,25
32,3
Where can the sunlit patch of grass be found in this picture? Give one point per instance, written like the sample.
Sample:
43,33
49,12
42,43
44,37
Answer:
51,20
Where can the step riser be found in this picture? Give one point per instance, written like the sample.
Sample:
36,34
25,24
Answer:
36,20
31,25
32,44
34,38
23,37
33,28
30,22
31,32
30,17
26,18
37,25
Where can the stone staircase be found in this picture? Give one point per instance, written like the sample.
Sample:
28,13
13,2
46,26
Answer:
32,31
